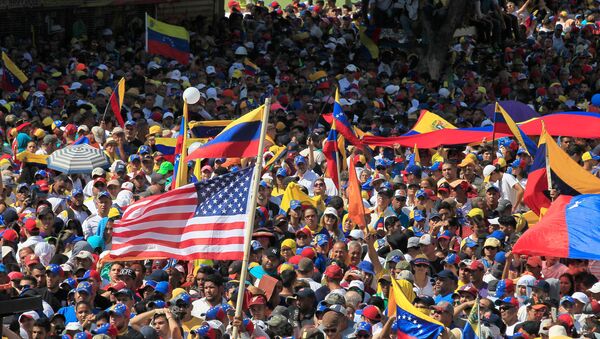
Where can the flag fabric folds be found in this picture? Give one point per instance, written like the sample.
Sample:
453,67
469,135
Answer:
293,191
567,230
566,174
205,220
342,124
410,322
471,329
116,101
250,68
167,40
240,139
12,76
356,208
208,129
503,123
330,149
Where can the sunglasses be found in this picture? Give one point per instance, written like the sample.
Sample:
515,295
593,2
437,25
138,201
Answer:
490,248
319,184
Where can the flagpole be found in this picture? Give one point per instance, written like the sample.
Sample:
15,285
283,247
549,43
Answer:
494,133
478,317
547,155
337,163
250,222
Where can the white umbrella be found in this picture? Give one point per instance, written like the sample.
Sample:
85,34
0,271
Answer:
77,159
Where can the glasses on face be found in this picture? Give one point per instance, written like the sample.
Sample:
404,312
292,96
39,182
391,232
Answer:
309,216
490,248
330,330
319,184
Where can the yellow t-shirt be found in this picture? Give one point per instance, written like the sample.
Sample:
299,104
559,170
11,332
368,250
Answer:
188,325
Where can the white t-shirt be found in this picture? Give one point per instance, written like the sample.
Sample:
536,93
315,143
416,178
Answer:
307,180
506,188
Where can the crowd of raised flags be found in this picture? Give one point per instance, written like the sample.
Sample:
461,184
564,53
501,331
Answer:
292,174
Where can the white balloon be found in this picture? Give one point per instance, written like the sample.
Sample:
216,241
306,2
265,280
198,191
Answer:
191,95
194,146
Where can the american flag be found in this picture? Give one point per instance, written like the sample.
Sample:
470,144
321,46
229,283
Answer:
204,220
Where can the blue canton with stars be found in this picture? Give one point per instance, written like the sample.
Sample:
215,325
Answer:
224,195
414,326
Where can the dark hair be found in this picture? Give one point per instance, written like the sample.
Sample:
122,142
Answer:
215,279
288,277
377,301
43,323
102,316
571,281
507,220
32,279
586,279
336,202
445,205
206,270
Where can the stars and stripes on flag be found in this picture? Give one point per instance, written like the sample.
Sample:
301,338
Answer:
204,220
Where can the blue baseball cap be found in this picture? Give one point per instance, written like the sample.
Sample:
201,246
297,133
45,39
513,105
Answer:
162,287
418,215
321,239
215,313
470,243
22,185
413,169
294,204
452,259
299,160
446,274
130,123
3,268
134,157
144,149
364,326
322,307
182,297
103,194
221,160
446,234
281,172
118,309
42,173
76,192
367,267
381,162
54,269
497,235
234,169
80,335
148,283
84,286
567,298
69,282
256,245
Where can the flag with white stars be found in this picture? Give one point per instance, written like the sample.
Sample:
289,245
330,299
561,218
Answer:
410,321
204,220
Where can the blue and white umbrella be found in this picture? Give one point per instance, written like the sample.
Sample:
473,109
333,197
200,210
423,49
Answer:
77,159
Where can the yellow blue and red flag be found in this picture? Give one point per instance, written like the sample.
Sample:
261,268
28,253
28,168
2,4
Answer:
343,126
503,123
116,101
208,129
250,68
240,139
410,322
167,40
330,149
12,76
471,329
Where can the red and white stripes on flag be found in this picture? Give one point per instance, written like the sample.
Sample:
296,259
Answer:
205,220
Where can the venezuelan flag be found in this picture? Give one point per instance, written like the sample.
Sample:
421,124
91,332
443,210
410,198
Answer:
167,40
410,322
342,124
330,149
567,230
471,329
503,123
12,76
116,101
250,68
239,139
429,122
369,37
167,147
566,174
208,129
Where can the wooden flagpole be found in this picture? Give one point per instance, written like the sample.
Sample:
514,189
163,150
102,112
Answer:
250,222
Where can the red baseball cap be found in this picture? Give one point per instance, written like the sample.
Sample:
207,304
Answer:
31,260
10,235
476,265
295,259
308,252
334,272
305,231
119,285
372,313
15,276
31,224
257,300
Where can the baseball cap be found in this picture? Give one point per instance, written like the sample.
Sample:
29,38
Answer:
413,242
446,274
542,285
299,160
510,301
491,242
371,312
273,252
295,204
334,272
84,286
444,306
364,326
394,256
54,269
127,272
118,310
468,288
581,297
257,300
595,288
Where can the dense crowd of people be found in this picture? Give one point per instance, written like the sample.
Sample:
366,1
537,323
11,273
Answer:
442,228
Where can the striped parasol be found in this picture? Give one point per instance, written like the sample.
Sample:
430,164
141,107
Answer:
77,159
